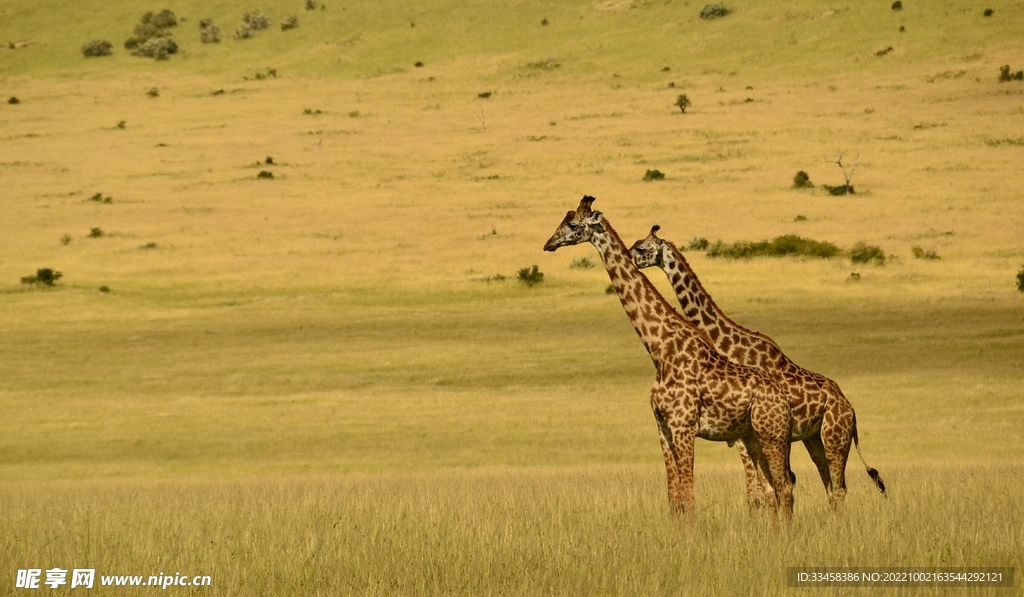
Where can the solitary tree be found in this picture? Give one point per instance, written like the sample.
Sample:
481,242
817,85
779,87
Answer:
683,102
847,188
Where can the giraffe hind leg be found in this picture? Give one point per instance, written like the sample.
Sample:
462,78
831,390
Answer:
756,483
837,436
817,451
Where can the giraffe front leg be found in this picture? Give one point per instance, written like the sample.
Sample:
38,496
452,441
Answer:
677,427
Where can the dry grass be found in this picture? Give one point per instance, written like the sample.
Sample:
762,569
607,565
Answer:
343,325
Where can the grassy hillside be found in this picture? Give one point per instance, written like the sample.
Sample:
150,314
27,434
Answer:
354,323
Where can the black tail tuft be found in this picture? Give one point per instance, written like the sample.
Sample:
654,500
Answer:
877,479
873,473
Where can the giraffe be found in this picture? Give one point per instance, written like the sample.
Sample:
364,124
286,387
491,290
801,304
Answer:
822,419
697,392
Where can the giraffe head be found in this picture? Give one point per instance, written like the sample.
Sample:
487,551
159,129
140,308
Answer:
649,252
577,226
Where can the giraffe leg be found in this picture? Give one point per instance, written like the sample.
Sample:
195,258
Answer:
755,480
771,419
683,437
836,437
817,451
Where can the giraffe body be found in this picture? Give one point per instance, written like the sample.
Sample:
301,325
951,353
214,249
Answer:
822,417
697,392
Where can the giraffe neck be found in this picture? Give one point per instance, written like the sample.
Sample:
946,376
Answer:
697,306
731,339
653,319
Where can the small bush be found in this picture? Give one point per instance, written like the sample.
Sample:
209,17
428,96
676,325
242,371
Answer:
781,246
310,4
584,262
1006,75
922,253
609,289
149,245
97,47
988,12
1020,279
44,276
800,218
13,101
252,22
95,232
484,95
161,20
99,198
802,181
153,92
653,175
158,48
838,190
713,11
865,253
884,52
208,32
65,240
121,124
682,102
104,289
897,5
291,22
854,277
530,276
698,243
265,174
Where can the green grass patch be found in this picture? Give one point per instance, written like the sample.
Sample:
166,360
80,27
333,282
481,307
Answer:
787,245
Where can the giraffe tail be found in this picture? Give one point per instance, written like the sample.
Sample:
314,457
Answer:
873,473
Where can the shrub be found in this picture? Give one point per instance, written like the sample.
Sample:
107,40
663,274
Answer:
251,23
153,92
97,47
988,12
854,277
897,5
208,32
780,246
682,102
13,101
609,289
65,240
584,262
153,27
800,218
44,276
99,198
149,245
698,243
802,181
104,289
1020,279
530,276
291,22
865,253
922,253
844,189
95,232
713,11
1006,75
121,124
265,174
653,175
310,4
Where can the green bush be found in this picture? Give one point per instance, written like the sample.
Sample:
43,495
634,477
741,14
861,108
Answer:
802,181
151,38
698,243
291,22
1020,279
713,11
921,253
530,276
865,253
682,102
842,189
780,246
653,175
44,276
208,32
584,262
97,47
1006,75
897,5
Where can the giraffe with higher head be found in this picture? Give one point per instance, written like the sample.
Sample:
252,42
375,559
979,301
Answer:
822,417
697,392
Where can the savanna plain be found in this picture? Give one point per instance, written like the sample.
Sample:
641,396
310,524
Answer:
289,348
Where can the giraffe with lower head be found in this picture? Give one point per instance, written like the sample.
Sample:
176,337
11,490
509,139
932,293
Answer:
822,418
697,392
